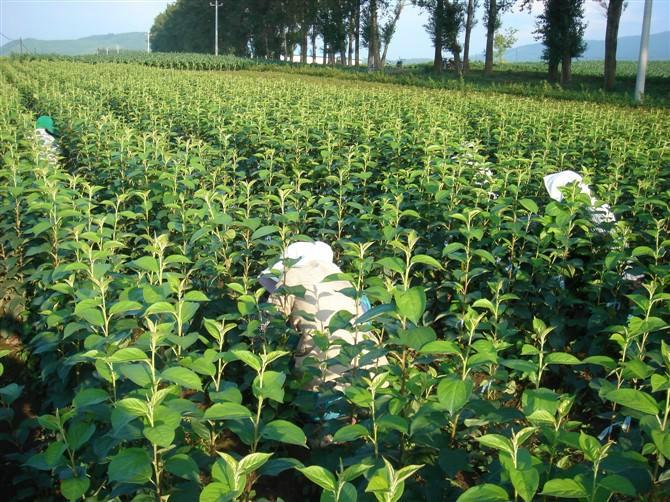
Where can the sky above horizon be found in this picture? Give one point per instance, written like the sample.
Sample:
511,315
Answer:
65,19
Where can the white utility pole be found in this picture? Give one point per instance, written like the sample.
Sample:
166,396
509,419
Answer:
644,52
148,41
216,6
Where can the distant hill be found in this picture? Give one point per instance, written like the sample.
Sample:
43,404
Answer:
628,49
134,41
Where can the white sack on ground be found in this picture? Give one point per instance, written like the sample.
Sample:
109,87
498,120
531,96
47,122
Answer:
554,182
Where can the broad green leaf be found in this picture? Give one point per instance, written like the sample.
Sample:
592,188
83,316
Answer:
635,400
564,488
272,386
248,358
426,260
525,483
454,393
253,462
264,231
615,483
127,354
498,442
124,306
350,433
392,263
146,263
284,432
561,358
182,376
440,347
89,397
183,466
320,476
160,435
217,492
74,488
132,465
485,492
227,411
411,303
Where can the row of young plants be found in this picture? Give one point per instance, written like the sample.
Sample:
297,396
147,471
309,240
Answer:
523,360
519,79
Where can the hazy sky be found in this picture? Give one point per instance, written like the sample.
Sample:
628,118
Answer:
61,19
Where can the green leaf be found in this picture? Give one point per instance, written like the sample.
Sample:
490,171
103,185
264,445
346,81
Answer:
227,411
615,483
124,306
392,263
79,433
89,397
217,492
561,358
375,312
90,314
350,433
484,493
196,296
411,303
284,432
662,442
252,462
183,466
393,422
497,442
272,388
249,358
132,465
54,453
160,435
264,231
182,376
453,393
127,355
525,483
529,205
564,488
440,347
146,263
320,476
635,400
426,260
74,488
160,308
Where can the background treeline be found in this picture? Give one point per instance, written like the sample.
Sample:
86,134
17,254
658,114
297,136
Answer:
336,31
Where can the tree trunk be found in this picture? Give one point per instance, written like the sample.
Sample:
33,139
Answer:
468,31
492,17
373,46
303,43
566,69
456,51
553,71
350,54
437,42
313,45
614,9
357,54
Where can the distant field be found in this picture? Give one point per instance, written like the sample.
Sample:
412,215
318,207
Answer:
521,79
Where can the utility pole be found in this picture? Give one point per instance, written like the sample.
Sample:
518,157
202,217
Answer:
21,45
216,4
644,52
148,42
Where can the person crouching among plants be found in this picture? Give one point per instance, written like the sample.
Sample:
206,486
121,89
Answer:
306,285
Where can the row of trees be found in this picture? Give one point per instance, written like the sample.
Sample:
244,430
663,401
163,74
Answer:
277,29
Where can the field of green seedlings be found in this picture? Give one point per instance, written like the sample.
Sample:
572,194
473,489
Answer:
526,348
